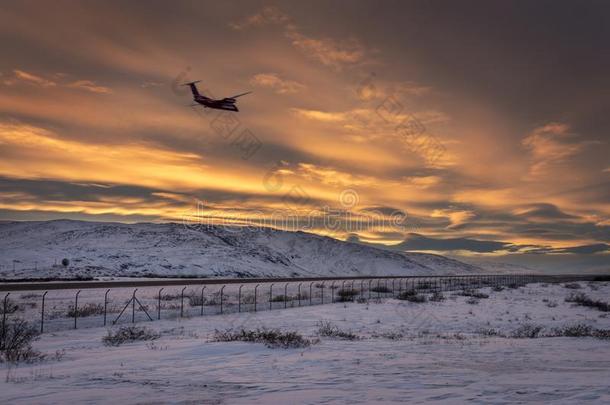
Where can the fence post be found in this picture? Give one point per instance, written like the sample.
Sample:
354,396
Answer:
270,296
222,290
332,292
370,281
285,295
239,298
76,308
182,302
133,306
299,292
202,290
42,313
255,288
106,304
4,321
311,293
159,305
322,292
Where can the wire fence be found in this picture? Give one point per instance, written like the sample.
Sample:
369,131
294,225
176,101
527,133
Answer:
56,306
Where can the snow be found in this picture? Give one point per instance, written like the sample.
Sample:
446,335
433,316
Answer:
440,357
102,249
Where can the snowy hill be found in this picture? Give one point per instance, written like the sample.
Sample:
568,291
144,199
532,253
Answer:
103,249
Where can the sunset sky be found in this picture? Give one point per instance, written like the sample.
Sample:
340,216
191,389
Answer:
473,129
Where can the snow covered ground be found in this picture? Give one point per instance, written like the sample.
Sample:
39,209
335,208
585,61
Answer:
406,352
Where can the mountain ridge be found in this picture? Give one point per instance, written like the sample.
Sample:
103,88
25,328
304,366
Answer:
115,249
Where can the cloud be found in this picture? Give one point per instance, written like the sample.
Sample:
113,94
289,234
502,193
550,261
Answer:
549,145
421,242
328,51
58,80
543,211
268,15
331,175
456,217
33,152
33,79
586,249
317,115
89,86
275,82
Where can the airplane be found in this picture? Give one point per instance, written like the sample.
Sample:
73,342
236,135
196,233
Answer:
227,103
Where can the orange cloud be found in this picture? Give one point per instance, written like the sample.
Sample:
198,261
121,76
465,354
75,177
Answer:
33,79
275,82
90,86
549,145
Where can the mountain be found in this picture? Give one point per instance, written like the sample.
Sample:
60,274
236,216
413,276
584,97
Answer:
501,267
104,249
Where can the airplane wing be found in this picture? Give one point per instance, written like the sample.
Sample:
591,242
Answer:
239,95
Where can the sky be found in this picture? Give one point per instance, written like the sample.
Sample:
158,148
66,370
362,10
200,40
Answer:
478,130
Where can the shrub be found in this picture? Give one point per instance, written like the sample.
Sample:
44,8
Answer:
346,295
29,296
583,300
248,299
171,297
326,328
11,306
196,300
272,338
497,288
488,332
390,335
602,333
576,297
412,296
302,297
380,289
472,301
513,286
16,342
529,331
551,304
127,334
473,293
437,297
88,309
573,286
578,330
280,298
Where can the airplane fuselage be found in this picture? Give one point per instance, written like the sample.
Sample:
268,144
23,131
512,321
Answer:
227,104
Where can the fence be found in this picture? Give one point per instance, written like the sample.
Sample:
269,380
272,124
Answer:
63,305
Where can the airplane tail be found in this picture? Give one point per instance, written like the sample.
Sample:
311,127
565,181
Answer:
193,87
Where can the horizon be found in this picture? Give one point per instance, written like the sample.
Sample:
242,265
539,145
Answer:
478,127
